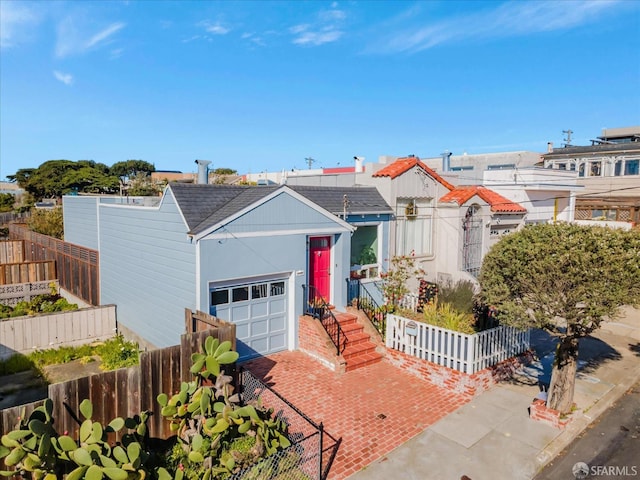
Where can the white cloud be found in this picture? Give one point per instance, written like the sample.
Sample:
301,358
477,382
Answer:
216,28
317,38
72,41
65,78
516,18
16,22
327,28
103,35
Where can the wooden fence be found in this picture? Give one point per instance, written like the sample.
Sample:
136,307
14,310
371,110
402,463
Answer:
125,392
11,251
9,217
27,272
77,327
459,351
77,267
24,292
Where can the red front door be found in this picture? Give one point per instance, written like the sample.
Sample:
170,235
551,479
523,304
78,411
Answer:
320,265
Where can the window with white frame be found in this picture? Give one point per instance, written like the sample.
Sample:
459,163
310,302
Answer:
414,219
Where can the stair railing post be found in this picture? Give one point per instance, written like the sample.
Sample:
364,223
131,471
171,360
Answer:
321,447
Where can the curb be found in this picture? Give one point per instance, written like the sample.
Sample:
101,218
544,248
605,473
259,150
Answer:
579,424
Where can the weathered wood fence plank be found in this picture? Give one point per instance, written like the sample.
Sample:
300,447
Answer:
77,267
125,392
77,327
11,251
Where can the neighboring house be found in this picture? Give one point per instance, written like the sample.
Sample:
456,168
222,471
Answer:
472,220
435,222
548,196
240,253
609,171
471,168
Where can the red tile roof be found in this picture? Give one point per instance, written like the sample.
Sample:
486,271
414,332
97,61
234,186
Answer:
497,202
402,165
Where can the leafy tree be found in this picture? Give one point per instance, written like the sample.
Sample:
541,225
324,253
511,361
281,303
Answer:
224,171
565,279
47,222
55,178
394,281
7,201
141,184
129,169
220,174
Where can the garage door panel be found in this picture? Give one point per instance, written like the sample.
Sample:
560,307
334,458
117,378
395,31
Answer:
260,344
259,311
277,324
242,331
260,327
278,342
277,305
239,313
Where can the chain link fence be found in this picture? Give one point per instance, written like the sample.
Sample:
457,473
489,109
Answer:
312,450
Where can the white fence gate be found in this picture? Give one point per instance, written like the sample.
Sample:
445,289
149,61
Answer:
459,351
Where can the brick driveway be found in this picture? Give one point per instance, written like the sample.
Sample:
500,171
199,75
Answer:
373,409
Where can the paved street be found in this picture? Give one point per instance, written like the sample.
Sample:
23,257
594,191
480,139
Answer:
610,447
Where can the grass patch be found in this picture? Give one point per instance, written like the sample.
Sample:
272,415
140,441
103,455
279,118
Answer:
15,364
56,356
118,353
115,353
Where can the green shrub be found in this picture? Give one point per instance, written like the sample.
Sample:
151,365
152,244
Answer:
118,353
56,356
15,364
114,353
445,316
459,295
47,303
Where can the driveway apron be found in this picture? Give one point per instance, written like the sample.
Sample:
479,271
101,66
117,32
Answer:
372,409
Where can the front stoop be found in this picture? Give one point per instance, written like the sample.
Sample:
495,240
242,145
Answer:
360,350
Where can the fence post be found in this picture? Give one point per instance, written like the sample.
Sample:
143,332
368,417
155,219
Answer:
471,366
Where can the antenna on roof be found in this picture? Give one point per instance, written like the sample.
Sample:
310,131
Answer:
309,161
567,141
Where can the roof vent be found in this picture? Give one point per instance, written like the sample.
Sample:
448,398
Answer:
203,171
446,161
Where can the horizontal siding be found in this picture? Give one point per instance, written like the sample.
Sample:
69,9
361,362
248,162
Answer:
147,266
250,257
282,212
80,216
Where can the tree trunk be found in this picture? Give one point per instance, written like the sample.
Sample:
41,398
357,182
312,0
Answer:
563,377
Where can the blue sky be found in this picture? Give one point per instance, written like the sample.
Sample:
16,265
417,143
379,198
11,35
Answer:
260,86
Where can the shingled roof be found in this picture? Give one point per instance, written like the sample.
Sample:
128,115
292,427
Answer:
206,205
402,165
498,203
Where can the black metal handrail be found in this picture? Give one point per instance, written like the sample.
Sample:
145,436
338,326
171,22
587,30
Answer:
317,307
376,314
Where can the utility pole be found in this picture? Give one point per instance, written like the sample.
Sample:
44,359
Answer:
567,141
309,161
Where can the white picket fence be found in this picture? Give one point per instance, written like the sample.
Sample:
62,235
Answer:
409,301
26,334
459,351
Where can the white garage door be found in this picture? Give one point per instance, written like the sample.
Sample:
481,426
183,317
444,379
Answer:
259,310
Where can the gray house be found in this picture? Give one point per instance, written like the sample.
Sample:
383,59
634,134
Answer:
241,253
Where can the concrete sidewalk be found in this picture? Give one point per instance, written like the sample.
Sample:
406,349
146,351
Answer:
493,438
